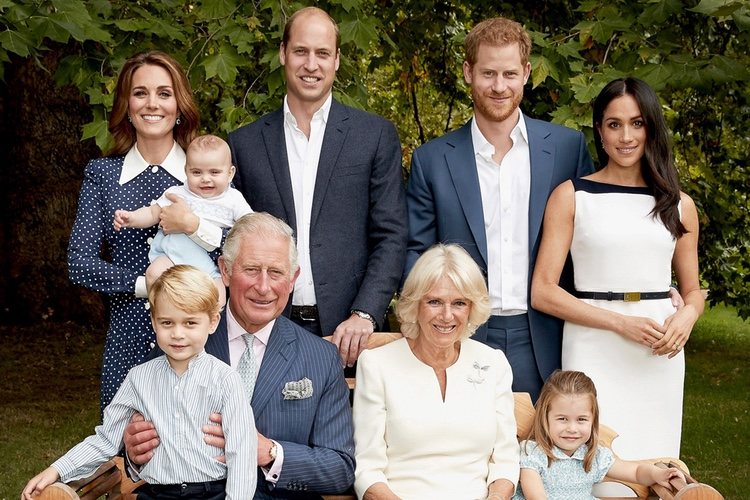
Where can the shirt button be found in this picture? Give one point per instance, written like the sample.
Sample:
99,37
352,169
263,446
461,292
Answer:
149,240
151,345
154,169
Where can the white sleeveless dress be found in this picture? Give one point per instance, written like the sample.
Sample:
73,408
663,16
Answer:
618,246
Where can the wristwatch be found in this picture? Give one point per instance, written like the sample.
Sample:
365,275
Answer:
272,451
367,316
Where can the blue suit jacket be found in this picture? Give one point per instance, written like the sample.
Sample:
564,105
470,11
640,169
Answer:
357,227
316,433
445,206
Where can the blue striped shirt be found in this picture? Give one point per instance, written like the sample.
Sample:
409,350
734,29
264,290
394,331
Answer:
178,406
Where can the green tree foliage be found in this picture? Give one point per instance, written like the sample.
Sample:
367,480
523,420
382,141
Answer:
403,58
228,48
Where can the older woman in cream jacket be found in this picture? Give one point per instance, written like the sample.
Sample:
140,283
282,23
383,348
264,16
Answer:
433,412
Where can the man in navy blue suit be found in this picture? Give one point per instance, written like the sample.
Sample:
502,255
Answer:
300,399
485,186
333,173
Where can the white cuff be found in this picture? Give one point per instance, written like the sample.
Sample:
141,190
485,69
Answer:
133,469
272,474
208,235
140,287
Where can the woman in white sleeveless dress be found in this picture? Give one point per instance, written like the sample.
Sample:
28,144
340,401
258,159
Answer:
627,227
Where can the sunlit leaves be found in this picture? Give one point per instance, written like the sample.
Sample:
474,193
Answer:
361,32
541,68
15,42
224,64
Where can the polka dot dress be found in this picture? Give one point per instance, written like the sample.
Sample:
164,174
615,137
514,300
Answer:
109,262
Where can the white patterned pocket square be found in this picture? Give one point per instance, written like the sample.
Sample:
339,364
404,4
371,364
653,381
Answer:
301,389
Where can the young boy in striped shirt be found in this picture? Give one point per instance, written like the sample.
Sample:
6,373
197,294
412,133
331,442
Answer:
177,391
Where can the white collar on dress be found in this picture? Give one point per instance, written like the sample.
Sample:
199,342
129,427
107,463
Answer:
134,164
579,454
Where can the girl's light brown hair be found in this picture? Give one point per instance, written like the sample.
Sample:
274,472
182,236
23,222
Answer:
123,132
565,383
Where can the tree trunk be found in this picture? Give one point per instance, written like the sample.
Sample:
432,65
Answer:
43,160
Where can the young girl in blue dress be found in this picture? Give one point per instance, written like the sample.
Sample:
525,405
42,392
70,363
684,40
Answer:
562,458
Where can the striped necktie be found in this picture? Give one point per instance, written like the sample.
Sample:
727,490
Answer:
247,367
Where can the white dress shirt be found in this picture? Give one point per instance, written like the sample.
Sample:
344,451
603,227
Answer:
237,348
505,189
303,154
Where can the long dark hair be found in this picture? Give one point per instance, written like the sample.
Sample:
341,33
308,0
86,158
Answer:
657,164
123,132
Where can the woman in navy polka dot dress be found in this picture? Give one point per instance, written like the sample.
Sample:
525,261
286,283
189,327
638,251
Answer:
153,119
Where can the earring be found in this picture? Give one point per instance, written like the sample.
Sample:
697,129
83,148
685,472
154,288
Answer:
130,120
177,121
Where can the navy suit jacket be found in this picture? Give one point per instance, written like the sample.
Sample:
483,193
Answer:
316,433
445,206
358,224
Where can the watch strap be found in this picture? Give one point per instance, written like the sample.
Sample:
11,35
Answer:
367,316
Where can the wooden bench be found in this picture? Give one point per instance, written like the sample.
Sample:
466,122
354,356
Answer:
111,480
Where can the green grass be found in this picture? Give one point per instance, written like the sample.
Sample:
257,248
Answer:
715,435
49,399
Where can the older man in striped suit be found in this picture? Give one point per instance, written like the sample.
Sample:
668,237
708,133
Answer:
299,395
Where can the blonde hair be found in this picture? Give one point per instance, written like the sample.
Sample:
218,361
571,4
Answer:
188,288
498,32
443,261
565,383
208,144
258,225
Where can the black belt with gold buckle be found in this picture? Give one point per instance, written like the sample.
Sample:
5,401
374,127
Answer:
624,296
305,313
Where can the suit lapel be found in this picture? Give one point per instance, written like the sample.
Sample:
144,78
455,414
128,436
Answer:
335,135
462,166
277,360
275,142
542,158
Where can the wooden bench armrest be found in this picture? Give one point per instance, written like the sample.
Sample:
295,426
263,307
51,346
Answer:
690,489
109,479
